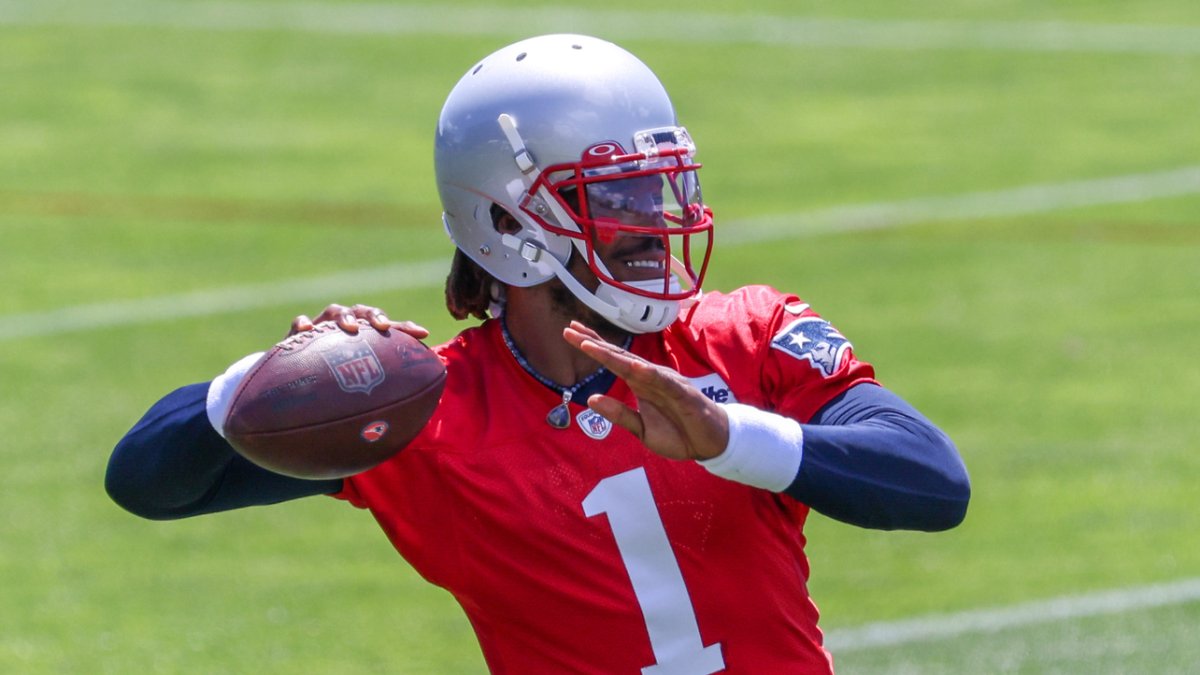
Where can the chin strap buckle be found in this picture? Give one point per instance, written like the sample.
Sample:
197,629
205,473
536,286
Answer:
528,250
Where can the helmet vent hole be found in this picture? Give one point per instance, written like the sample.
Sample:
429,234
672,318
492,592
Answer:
576,46
477,69
521,56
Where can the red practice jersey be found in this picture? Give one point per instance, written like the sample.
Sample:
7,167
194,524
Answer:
580,551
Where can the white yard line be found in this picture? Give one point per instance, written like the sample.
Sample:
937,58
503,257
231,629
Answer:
1030,199
434,19
943,626
1024,200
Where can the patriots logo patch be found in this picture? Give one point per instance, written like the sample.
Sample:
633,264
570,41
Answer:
813,339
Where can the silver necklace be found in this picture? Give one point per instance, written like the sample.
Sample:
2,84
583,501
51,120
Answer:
559,416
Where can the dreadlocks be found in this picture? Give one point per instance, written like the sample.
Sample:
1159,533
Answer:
469,286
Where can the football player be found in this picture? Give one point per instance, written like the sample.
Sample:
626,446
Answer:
617,476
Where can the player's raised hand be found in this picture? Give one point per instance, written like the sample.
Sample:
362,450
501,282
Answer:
347,319
672,419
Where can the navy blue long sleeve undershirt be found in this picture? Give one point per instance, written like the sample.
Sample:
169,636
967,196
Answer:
870,459
173,464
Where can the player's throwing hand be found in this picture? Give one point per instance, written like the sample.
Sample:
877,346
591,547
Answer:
347,319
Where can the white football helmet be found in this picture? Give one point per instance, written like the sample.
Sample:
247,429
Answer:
577,139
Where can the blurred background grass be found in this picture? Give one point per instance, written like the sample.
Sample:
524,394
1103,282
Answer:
138,161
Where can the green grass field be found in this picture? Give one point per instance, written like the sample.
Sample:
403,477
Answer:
146,153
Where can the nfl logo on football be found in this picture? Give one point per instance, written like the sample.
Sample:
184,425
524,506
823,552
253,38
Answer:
355,367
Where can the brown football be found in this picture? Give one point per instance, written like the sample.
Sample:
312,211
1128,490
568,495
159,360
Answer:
327,404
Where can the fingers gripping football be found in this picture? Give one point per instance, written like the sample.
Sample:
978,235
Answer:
672,418
347,319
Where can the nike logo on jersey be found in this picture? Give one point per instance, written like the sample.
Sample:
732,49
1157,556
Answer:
714,388
814,340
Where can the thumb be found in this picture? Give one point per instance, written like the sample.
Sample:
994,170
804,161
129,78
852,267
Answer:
619,414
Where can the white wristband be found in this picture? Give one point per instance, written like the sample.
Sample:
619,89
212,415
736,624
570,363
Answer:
764,449
220,391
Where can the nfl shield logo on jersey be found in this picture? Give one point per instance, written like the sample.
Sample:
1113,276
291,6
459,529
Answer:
593,424
814,340
355,367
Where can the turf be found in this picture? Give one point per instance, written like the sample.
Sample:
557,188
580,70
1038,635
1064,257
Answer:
1055,348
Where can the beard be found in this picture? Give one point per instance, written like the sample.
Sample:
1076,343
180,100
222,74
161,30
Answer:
564,303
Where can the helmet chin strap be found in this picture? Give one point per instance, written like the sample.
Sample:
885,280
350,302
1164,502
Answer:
623,309
639,314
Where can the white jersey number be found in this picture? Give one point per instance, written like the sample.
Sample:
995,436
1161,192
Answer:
654,573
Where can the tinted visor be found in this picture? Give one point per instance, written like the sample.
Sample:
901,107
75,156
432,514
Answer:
649,218
640,216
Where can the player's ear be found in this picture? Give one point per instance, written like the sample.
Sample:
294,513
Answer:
503,221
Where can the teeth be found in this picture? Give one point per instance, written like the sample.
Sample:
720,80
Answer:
647,264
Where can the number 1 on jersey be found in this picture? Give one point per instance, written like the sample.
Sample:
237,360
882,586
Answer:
654,572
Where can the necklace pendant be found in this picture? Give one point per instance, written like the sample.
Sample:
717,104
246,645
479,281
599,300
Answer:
559,416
